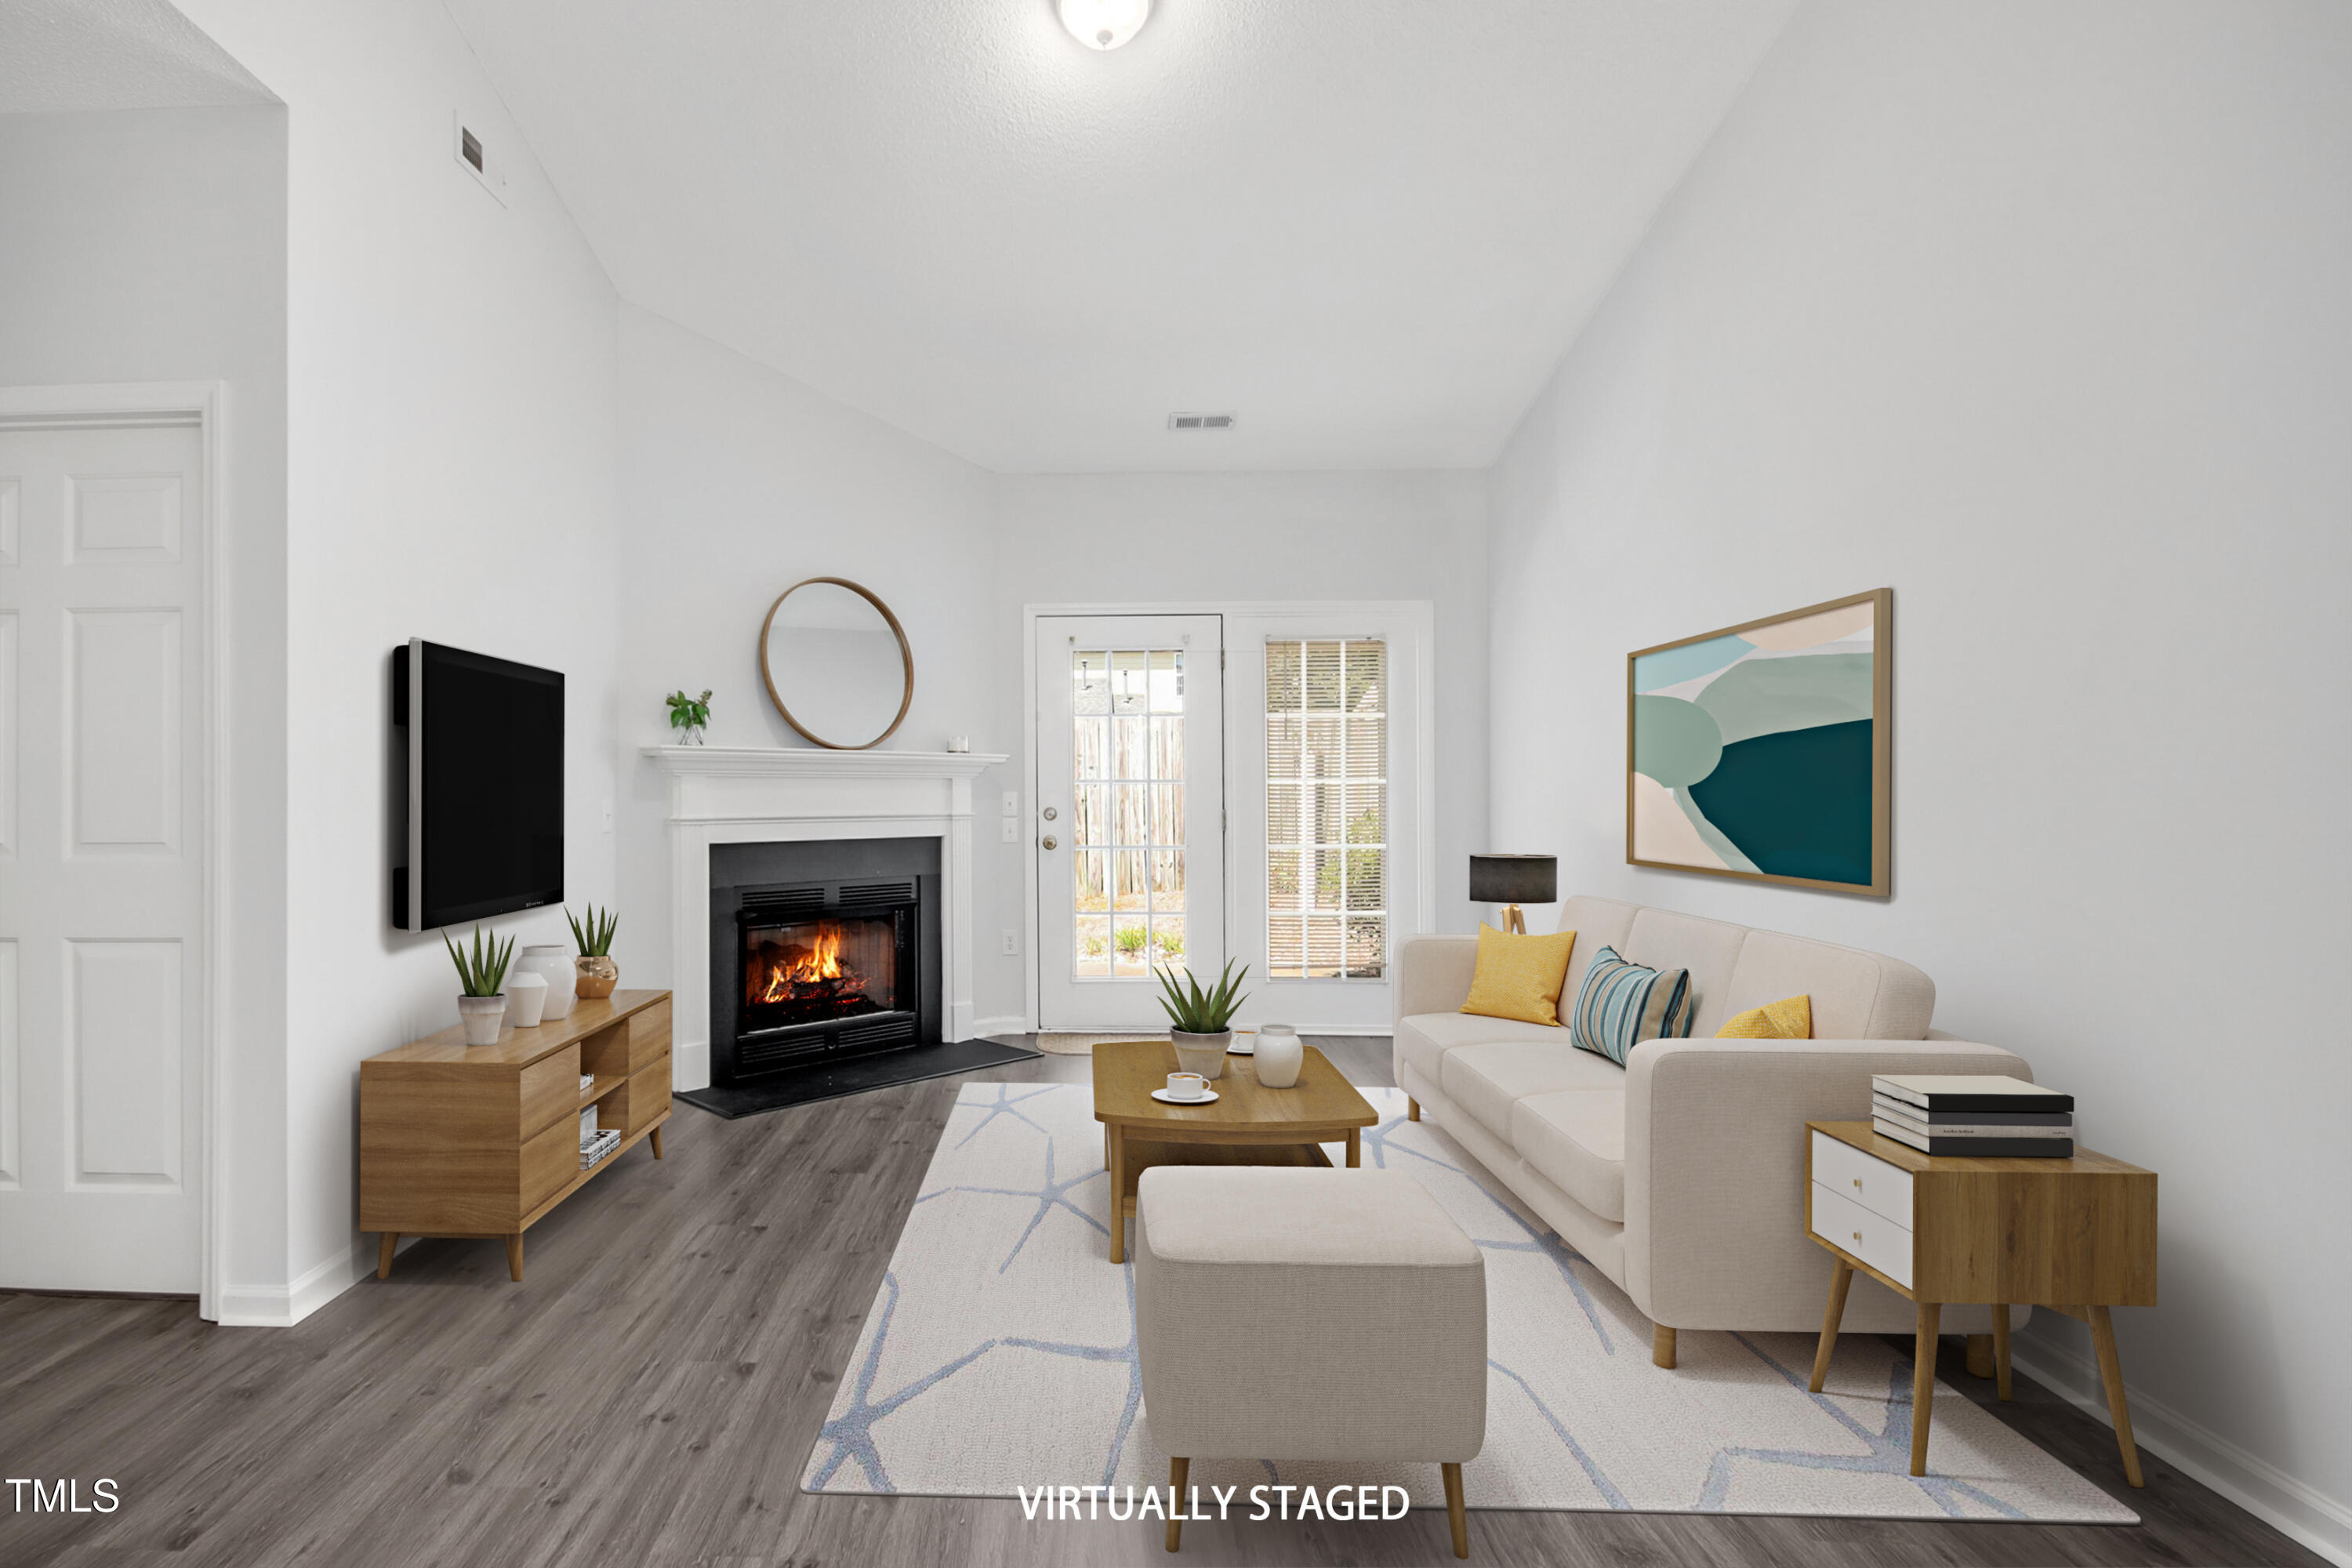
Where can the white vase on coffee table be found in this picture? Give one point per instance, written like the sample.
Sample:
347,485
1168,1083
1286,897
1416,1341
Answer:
1203,1054
1279,1056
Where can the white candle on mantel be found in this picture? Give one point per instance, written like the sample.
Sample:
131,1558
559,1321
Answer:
959,743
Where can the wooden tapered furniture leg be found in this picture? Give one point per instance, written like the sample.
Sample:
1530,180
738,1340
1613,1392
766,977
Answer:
1119,1204
1411,1109
2111,1374
1355,1148
1662,1347
1923,1383
1178,1470
655,1141
1456,1513
383,1251
514,1256
1980,1355
2001,1351
1841,1280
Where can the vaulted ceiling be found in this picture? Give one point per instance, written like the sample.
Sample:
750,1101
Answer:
1369,228
62,55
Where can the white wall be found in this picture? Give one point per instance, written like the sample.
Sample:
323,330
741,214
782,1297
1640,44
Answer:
146,246
451,475
738,482
2037,314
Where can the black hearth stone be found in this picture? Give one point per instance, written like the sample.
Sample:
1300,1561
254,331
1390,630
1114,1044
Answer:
831,1081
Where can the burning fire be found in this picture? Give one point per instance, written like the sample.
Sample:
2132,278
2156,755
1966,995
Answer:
805,972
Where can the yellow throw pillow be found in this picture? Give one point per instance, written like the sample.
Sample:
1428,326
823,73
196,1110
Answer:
1519,976
1790,1018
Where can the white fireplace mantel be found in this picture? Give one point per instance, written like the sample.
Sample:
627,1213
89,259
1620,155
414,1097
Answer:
771,794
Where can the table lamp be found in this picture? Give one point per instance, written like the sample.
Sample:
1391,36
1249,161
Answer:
1511,880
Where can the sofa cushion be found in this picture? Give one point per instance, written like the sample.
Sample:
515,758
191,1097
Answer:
1598,923
1576,1138
1518,976
1423,1039
1710,950
1484,1080
1856,995
1623,1004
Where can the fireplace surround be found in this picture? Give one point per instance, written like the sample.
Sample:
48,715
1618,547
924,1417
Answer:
722,798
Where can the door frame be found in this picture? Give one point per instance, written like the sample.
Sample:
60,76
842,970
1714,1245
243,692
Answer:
1418,613
96,405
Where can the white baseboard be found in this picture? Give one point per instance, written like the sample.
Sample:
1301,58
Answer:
2317,1520
689,1064
1014,1024
274,1307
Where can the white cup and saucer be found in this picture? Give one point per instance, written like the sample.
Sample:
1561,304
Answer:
1186,1088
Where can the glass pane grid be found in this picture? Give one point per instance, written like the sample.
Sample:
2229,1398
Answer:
1127,830
1327,809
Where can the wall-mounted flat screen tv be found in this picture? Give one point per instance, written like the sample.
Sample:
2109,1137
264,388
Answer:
478,748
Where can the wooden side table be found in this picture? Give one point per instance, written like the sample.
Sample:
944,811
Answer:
2076,1236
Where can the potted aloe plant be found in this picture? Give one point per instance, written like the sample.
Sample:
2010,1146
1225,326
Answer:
1201,1022
481,982
598,972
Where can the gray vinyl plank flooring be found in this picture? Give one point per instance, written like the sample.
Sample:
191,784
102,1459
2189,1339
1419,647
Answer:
650,1394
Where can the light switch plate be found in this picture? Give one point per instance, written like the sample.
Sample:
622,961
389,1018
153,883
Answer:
1011,830
1012,803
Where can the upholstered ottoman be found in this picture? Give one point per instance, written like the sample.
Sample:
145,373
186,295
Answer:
1293,1313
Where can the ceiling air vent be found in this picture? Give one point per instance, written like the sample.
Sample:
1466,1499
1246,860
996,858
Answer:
1200,422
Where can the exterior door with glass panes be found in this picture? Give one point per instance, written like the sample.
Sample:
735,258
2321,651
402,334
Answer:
1128,823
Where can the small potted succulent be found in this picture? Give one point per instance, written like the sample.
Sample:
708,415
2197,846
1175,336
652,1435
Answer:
1201,1022
689,716
481,982
597,972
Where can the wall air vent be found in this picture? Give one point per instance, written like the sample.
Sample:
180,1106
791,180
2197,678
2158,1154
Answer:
474,157
1200,422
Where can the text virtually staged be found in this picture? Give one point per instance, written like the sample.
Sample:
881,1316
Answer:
1130,781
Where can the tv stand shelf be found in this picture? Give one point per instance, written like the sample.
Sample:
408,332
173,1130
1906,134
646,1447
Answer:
483,1141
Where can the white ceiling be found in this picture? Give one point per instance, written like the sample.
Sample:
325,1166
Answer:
1369,227
63,55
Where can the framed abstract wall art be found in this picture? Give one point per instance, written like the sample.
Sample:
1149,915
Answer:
1767,751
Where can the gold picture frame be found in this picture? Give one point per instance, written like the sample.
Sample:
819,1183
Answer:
1745,754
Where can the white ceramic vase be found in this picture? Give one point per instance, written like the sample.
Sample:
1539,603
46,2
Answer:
526,999
551,961
1203,1054
1279,1056
482,1017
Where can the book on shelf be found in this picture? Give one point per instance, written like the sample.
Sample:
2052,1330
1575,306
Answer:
587,1124
1971,1092
593,1149
2003,1148
587,1081
1973,1123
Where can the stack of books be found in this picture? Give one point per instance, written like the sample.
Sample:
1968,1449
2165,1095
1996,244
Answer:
1990,1117
594,1146
587,1081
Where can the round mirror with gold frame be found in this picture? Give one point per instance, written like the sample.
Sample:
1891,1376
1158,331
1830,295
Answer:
836,663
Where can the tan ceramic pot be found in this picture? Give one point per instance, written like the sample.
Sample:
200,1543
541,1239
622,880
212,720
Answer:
597,976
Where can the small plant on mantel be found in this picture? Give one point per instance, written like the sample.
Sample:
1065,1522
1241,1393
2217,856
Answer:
597,972
482,984
689,716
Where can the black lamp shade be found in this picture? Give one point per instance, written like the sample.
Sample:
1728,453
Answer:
1514,878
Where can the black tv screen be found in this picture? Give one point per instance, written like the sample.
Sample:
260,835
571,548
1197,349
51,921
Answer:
484,741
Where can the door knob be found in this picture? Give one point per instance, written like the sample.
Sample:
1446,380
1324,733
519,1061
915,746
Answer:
1051,814
1049,842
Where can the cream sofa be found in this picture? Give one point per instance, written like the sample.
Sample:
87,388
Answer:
1681,1175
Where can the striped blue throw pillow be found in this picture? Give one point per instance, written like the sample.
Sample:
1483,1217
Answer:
1623,1005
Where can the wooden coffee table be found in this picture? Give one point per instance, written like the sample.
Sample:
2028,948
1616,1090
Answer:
1249,1124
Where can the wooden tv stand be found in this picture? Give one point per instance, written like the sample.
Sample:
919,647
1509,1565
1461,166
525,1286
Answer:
458,1139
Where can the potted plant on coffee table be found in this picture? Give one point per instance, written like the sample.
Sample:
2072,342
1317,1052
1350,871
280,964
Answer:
1200,1023
481,982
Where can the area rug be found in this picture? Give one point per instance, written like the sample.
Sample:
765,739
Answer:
1000,1354
1083,1044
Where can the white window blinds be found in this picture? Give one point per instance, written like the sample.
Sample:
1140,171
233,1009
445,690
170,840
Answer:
1327,809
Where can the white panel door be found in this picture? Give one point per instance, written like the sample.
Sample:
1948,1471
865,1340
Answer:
1129,829
101,880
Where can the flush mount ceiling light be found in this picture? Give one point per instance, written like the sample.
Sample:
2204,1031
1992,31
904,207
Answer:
1103,24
